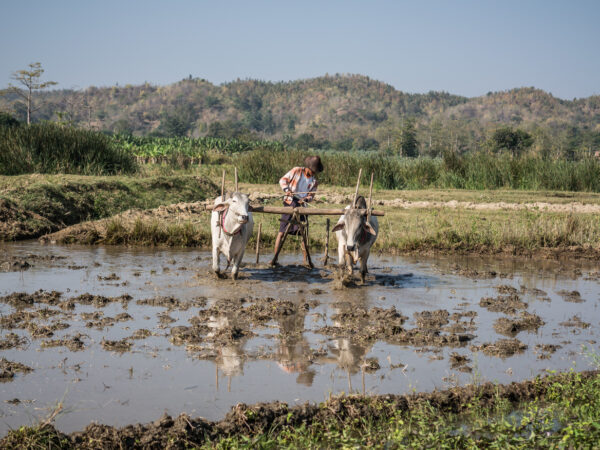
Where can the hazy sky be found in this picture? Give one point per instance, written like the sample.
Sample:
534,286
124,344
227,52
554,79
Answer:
462,47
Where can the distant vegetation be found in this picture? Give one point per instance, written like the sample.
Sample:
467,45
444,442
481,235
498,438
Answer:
51,148
340,112
469,171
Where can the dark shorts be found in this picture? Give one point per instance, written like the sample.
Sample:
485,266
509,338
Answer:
285,218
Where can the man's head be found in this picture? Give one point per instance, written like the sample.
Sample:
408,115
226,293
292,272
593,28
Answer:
314,164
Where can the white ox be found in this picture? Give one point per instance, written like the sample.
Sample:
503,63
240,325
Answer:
355,236
231,226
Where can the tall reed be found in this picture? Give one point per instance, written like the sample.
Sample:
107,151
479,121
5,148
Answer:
51,148
471,171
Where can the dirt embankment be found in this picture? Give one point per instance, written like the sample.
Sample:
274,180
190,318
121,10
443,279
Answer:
34,205
276,417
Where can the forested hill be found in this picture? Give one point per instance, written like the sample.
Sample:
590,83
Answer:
341,111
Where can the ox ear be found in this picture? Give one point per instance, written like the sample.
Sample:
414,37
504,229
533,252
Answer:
220,207
338,227
369,229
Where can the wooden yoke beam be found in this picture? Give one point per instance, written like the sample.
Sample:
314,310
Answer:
303,211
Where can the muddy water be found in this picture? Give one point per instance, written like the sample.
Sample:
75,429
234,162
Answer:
286,334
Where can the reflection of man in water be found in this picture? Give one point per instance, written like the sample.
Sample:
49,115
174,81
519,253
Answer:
294,353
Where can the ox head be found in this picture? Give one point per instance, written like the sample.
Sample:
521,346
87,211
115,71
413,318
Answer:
238,206
354,223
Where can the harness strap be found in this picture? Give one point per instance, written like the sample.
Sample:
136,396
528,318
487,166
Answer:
222,221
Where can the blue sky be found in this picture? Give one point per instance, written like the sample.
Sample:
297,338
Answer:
462,47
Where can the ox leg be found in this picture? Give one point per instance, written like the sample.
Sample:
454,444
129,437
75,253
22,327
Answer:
349,265
215,259
236,266
363,268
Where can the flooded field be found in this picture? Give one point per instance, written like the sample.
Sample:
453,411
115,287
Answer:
123,335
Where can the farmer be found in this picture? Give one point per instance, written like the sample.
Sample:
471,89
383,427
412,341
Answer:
300,186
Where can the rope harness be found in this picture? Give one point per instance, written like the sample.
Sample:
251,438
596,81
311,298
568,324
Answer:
222,215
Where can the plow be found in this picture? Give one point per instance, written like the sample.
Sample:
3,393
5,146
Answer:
297,212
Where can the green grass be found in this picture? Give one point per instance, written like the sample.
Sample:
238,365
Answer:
51,148
471,171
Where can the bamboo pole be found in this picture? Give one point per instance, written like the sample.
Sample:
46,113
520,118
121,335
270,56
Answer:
326,255
356,191
370,198
258,242
223,186
222,200
236,180
303,211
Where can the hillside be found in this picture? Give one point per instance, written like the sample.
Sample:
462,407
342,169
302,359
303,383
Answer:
341,111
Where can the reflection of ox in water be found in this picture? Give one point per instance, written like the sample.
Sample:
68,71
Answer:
355,235
294,352
231,226
230,352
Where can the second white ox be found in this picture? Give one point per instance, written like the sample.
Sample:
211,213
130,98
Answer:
355,236
233,217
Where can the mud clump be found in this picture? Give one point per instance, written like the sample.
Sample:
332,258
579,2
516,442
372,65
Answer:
182,335
142,333
112,277
24,300
12,340
508,304
387,324
173,303
432,320
512,327
99,301
503,348
371,365
544,351
73,343
8,369
459,362
571,296
121,346
575,322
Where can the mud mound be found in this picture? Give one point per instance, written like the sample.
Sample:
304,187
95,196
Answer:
17,223
508,304
251,420
125,223
173,303
502,348
8,369
512,327
571,296
575,322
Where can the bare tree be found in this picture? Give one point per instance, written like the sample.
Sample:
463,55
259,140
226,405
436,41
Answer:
31,80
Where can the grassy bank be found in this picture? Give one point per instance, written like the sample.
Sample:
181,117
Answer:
55,201
559,411
402,231
52,148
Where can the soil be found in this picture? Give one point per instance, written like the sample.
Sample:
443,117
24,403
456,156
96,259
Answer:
251,420
508,304
511,327
571,296
575,322
8,369
73,343
502,348
360,324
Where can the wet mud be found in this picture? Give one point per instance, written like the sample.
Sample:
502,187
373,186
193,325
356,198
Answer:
411,321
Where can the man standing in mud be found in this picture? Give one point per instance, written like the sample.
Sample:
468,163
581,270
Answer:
300,185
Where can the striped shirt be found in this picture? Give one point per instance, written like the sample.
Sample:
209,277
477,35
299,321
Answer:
298,182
